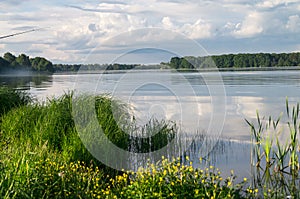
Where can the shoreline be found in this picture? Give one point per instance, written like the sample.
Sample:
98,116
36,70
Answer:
253,69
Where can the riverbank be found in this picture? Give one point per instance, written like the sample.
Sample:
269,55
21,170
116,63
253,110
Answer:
139,69
250,69
42,156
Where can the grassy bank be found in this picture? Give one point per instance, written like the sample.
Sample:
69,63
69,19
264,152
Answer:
42,156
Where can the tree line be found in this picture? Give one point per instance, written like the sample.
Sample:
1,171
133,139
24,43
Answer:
40,64
93,67
23,62
254,60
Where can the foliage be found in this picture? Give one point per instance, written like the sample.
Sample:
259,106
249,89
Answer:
10,58
172,179
40,150
119,127
23,62
40,123
3,64
51,124
41,64
66,67
236,61
276,164
42,156
11,98
153,136
256,60
51,178
92,67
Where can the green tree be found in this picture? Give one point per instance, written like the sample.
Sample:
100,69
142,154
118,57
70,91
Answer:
23,61
228,60
3,64
175,62
238,61
186,64
9,57
41,64
280,62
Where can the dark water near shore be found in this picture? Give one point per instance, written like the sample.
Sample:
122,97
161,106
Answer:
197,101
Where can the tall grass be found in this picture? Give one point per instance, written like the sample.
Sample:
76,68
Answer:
49,123
32,132
11,98
153,136
276,163
119,127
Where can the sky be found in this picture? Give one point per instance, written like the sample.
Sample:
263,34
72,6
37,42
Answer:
150,31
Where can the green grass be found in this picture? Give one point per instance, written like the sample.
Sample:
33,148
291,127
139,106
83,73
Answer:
12,98
51,178
34,132
42,155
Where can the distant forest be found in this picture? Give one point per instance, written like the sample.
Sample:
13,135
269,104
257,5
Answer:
23,62
255,60
93,67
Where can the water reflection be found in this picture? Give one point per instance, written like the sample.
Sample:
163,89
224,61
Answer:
26,82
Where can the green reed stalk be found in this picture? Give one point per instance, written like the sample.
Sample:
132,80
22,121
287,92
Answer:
281,169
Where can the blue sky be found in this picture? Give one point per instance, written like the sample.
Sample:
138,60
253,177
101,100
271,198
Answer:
101,31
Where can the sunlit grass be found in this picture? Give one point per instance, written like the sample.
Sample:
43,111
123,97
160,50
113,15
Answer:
51,178
173,179
42,156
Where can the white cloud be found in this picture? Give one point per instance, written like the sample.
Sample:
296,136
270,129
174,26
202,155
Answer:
54,54
167,23
251,26
198,30
274,3
293,23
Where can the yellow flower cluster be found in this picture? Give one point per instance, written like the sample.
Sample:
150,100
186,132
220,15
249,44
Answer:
164,179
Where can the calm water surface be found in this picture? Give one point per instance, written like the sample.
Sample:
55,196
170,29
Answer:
187,98
246,92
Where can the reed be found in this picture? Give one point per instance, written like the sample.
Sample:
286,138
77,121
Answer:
276,163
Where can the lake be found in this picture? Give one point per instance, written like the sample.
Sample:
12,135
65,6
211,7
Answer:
213,103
